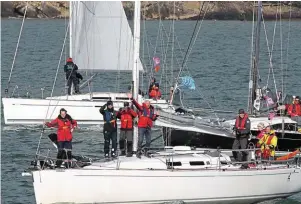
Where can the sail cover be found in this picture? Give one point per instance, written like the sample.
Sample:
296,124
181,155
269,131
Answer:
101,38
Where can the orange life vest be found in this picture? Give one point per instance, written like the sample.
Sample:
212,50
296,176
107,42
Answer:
241,123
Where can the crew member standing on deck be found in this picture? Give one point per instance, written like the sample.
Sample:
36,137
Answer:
145,123
65,125
126,116
72,76
242,131
109,128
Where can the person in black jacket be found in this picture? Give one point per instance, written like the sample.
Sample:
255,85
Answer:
72,76
242,131
109,128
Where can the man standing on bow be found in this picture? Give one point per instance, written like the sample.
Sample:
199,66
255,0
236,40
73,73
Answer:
65,125
242,130
126,116
109,128
72,76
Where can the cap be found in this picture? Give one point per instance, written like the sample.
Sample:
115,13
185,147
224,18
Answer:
126,104
63,109
297,98
69,59
109,103
241,111
261,125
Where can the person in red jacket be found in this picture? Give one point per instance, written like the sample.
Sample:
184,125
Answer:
155,93
65,125
126,116
294,110
146,117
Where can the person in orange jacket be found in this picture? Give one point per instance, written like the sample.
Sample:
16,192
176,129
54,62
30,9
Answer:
294,110
155,93
65,125
126,116
146,117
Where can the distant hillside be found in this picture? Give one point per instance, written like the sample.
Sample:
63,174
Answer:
220,10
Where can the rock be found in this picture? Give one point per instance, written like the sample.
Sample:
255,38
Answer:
7,9
31,12
50,11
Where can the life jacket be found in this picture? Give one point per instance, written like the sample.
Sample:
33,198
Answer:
64,126
240,123
109,120
267,141
146,117
126,118
155,93
294,110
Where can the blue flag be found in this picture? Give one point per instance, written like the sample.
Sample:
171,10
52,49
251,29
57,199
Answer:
187,82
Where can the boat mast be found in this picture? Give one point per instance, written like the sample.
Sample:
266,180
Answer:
254,82
135,87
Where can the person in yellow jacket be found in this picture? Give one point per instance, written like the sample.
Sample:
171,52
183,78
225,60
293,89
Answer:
268,144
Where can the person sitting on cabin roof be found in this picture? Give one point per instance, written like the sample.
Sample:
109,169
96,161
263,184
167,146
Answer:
155,93
268,144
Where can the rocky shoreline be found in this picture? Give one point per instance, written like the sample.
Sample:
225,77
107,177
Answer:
162,10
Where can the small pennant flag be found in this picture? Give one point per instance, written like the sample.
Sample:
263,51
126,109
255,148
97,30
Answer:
156,61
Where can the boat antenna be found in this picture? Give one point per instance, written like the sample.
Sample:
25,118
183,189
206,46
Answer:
254,73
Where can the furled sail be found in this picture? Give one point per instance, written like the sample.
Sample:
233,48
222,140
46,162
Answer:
101,38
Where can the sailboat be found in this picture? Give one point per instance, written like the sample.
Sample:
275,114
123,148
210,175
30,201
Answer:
287,130
100,40
164,174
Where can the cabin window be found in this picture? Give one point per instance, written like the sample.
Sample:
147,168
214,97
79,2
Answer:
196,163
121,98
174,163
102,98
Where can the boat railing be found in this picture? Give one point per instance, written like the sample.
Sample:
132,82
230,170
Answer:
46,161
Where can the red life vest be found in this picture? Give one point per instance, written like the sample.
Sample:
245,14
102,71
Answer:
294,110
240,123
155,93
127,119
146,117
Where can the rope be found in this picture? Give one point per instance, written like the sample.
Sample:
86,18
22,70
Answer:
274,33
188,51
16,51
270,53
288,38
55,78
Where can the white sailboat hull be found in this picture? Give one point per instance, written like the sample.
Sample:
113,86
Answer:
83,108
157,186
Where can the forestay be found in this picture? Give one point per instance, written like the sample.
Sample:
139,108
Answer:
101,37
